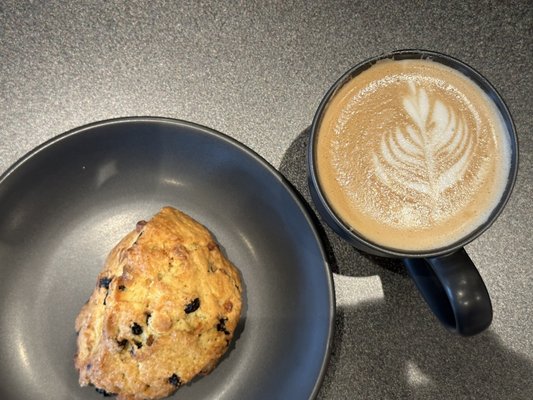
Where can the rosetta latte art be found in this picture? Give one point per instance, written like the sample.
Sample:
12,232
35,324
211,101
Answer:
430,154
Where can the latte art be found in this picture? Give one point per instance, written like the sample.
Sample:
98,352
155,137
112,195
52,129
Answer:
412,154
428,155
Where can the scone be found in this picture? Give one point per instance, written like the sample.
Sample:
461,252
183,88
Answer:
164,310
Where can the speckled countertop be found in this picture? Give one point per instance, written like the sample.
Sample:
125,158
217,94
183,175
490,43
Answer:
257,71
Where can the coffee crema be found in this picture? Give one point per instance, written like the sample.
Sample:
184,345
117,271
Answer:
412,154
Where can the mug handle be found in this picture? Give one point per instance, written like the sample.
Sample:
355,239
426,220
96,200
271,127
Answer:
454,290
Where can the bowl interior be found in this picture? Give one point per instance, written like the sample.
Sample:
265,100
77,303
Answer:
65,205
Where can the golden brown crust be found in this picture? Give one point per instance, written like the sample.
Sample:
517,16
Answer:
164,310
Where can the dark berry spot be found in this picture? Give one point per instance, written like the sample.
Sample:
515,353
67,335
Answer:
150,340
221,326
88,366
122,343
104,282
103,392
121,288
140,225
136,329
174,380
192,306
138,344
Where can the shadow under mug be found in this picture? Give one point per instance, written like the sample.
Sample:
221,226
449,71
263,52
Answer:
446,277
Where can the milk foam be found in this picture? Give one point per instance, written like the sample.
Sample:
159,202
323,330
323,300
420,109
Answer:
430,154
412,154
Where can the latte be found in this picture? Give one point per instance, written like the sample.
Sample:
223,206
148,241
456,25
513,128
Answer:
412,154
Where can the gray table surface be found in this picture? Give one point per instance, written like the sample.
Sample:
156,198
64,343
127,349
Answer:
257,71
